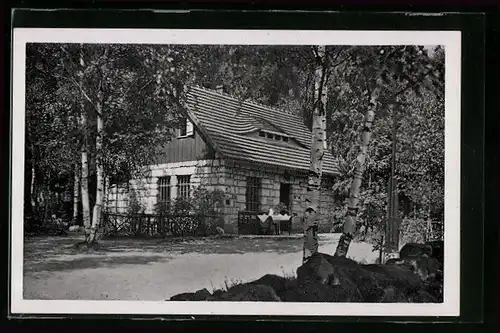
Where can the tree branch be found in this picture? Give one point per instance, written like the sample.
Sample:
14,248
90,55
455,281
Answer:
72,79
411,83
84,94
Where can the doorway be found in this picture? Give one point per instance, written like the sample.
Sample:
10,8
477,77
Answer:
286,195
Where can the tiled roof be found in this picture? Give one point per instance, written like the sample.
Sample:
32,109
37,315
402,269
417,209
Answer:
227,122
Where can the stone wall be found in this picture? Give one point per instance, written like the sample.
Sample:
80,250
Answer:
271,179
202,172
230,177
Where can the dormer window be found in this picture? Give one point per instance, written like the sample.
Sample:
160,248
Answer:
186,128
274,136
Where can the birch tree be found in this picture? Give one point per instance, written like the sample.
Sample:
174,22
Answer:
354,192
389,72
96,218
76,194
84,146
317,151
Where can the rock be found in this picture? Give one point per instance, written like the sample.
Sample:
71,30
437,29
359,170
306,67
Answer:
320,268
434,285
278,283
218,292
425,267
248,293
393,295
368,283
412,250
318,292
399,276
394,261
200,295
182,297
437,250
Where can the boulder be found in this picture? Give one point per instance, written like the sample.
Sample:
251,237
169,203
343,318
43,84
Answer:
318,292
278,283
412,250
394,261
399,276
365,282
248,293
424,267
200,295
437,250
393,295
316,270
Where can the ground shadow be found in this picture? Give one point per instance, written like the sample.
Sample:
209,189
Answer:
50,246
93,262
59,254
207,245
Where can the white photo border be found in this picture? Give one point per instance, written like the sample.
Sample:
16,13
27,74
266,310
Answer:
450,40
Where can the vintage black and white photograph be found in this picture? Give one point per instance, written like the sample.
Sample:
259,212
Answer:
236,172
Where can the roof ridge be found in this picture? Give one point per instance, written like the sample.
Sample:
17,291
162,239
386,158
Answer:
252,102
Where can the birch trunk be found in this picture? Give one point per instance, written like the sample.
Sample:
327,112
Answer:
99,201
32,187
76,194
96,218
353,201
311,214
84,154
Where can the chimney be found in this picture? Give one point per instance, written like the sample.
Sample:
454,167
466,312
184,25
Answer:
219,88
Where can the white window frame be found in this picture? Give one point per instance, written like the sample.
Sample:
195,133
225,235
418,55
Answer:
189,130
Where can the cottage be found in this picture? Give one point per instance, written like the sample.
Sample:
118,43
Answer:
259,156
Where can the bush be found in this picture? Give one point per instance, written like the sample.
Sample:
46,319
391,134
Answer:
207,202
196,214
134,205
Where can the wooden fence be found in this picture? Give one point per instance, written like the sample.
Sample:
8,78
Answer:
143,225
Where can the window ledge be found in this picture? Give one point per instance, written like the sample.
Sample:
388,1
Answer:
184,136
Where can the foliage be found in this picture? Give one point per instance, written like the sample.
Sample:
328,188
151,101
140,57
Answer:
202,202
413,231
191,215
415,82
134,205
207,202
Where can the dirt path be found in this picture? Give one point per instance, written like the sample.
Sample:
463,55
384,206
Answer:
156,270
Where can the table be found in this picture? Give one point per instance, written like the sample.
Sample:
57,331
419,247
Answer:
275,220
